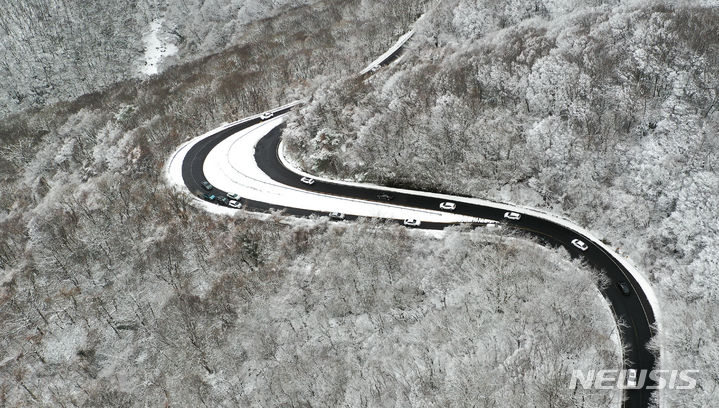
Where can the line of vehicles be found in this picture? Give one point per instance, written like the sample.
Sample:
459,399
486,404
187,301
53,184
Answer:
230,200
446,206
234,201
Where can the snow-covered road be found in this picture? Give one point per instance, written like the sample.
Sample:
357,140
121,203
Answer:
231,166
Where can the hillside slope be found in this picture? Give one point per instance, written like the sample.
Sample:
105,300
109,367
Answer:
57,50
607,114
116,291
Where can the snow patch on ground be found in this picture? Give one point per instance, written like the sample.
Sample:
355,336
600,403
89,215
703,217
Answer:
63,345
157,47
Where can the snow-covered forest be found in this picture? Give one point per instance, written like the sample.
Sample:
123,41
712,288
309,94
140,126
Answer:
116,291
608,114
245,312
57,50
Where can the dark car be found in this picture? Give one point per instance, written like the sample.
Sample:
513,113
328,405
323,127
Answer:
207,186
385,197
624,288
223,200
209,197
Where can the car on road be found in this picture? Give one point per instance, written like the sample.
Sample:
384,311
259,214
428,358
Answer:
209,197
223,200
624,288
632,378
266,115
579,244
308,180
447,205
233,196
411,222
512,216
337,216
234,204
385,197
207,186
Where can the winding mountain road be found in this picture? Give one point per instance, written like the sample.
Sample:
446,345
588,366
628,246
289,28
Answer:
635,311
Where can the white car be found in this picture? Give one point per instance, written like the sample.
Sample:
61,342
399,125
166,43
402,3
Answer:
338,216
374,68
579,244
266,115
512,215
632,378
411,222
308,180
233,196
449,206
235,204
